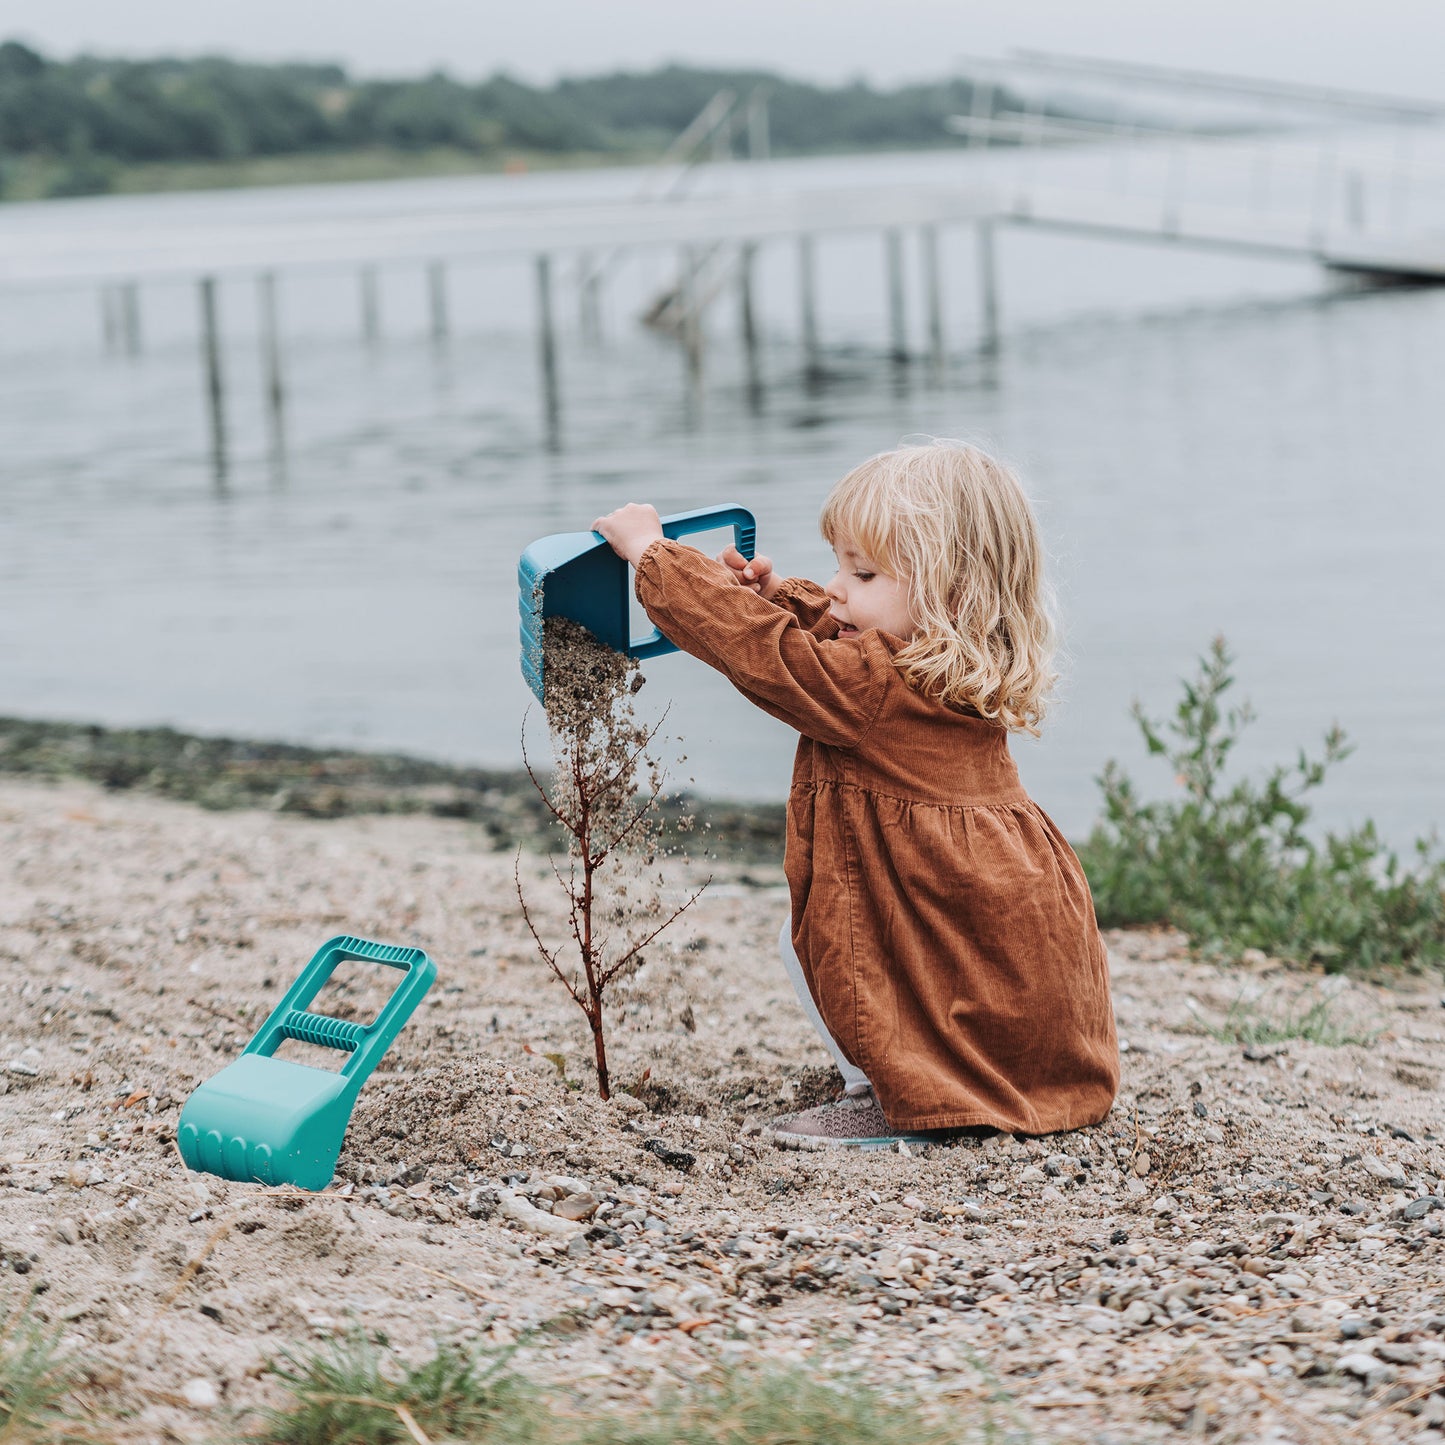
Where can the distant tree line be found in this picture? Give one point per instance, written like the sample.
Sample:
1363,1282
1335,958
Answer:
95,115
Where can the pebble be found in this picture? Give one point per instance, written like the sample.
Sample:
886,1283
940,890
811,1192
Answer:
576,1207
200,1394
526,1215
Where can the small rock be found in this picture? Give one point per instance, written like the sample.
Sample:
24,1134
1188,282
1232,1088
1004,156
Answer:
1383,1170
627,1103
1142,1163
200,1394
576,1207
578,1246
1419,1208
482,1203
678,1158
527,1216
66,1231
1139,1313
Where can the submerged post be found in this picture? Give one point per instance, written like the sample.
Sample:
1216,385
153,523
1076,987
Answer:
271,378
933,295
436,290
808,300
370,307
211,355
747,319
988,286
897,320
547,353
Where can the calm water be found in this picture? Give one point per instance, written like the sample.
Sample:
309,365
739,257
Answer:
1215,445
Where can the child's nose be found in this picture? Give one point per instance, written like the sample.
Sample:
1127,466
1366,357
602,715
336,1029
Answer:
833,590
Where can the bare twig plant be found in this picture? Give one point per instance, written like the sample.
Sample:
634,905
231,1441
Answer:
605,793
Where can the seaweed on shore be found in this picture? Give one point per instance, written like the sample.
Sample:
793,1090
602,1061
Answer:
223,773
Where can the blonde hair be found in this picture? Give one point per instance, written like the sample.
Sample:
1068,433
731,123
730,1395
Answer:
955,524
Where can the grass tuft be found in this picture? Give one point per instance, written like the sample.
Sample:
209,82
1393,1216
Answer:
35,1381
352,1392
777,1407
1257,1024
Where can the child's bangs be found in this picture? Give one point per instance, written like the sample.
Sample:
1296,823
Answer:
858,508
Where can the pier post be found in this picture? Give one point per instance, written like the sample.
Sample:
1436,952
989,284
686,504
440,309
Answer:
436,291
748,321
691,319
933,295
130,317
988,286
808,300
211,356
897,318
370,307
547,354
272,382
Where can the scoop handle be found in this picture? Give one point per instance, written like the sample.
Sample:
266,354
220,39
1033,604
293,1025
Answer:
681,524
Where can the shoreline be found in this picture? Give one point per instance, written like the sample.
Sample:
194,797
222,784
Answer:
222,774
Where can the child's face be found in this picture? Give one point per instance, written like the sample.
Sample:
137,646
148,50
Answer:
863,597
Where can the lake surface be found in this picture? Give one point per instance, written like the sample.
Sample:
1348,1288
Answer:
1215,445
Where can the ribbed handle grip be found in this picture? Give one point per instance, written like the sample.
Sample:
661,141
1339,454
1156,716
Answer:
323,1030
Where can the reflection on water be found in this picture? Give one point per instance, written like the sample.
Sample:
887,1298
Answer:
1215,446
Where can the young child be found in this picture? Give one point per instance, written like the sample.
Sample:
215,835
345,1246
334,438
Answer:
942,937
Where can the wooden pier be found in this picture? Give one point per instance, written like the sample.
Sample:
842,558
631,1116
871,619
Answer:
715,238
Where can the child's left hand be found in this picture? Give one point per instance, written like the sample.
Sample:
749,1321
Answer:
631,530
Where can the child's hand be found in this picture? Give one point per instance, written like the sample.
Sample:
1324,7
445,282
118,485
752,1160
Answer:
631,530
756,573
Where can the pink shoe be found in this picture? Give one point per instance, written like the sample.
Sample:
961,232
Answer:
855,1122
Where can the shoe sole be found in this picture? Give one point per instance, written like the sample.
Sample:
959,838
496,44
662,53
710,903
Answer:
812,1143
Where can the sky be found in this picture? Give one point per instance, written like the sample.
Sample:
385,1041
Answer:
1393,46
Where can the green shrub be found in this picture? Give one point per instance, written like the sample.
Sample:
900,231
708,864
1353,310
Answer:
1234,867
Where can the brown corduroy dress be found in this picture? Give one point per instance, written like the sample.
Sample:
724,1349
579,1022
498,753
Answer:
944,925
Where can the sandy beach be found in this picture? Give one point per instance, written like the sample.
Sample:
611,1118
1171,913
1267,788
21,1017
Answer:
1250,1248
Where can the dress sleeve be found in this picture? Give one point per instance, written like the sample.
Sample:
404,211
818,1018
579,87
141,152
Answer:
808,603
827,690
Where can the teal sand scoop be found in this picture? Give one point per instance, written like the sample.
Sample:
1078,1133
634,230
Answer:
577,575
278,1122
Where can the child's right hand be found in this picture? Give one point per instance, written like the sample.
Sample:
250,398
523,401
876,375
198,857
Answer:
756,572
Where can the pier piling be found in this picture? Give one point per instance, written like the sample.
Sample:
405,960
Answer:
748,321
547,354
271,376
933,295
897,316
808,302
689,295
211,357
